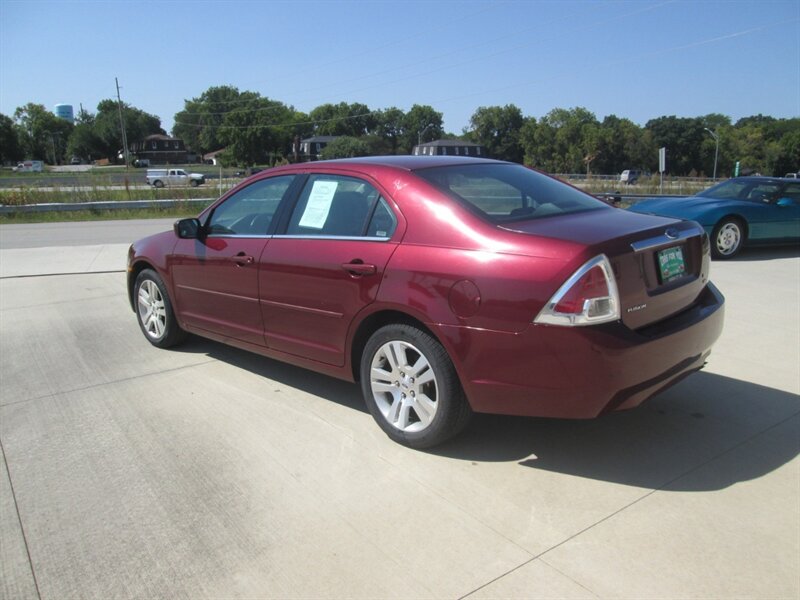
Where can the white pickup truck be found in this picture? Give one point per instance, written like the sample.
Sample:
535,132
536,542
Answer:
173,177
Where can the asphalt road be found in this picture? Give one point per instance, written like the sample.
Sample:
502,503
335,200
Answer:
205,471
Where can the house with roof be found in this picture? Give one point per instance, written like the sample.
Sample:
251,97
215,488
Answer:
310,148
449,148
161,149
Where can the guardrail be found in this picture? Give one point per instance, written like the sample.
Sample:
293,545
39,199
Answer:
109,205
614,198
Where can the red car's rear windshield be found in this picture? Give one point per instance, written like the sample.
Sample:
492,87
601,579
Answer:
505,193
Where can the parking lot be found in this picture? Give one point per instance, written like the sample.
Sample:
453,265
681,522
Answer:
208,472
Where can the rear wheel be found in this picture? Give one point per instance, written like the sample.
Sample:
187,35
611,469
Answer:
411,387
154,311
727,238
158,183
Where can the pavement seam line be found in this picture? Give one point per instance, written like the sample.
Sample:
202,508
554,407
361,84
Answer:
660,488
59,274
19,520
101,384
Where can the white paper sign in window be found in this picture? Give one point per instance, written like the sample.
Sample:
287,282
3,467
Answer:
319,204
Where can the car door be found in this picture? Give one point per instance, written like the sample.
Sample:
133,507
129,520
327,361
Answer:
786,210
216,277
773,218
326,265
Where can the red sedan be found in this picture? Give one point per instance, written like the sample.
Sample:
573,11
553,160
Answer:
445,285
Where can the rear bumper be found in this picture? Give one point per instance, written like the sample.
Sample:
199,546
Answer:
582,372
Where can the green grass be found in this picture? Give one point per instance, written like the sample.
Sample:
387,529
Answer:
100,215
649,186
30,195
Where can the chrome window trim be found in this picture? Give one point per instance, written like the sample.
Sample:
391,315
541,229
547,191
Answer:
664,240
239,236
348,238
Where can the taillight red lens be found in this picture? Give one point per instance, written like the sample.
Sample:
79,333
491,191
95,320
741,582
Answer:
588,297
591,285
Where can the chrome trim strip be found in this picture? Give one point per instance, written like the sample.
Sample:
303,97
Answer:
664,240
239,236
349,238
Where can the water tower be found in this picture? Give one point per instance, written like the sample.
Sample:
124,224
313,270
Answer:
64,111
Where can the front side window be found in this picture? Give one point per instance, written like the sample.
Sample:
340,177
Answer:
340,206
742,189
792,191
503,193
249,211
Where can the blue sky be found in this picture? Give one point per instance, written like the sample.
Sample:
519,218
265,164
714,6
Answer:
637,59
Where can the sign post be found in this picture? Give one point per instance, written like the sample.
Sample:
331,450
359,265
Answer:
662,166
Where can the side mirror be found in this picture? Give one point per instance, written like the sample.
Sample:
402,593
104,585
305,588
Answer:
188,229
785,202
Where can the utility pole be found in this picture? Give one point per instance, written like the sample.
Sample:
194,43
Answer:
122,126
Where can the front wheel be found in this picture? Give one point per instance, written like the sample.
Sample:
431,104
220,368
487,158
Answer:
154,311
727,238
411,387
194,183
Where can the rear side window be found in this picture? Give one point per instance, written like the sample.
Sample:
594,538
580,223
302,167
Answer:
340,206
504,192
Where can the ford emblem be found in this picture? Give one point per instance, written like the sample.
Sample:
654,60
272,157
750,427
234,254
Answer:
671,233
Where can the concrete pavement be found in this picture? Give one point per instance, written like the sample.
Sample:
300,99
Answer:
207,472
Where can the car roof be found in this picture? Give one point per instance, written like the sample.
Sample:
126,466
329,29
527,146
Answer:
404,162
761,178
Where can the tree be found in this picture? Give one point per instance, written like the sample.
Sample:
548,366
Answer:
84,143
683,139
497,128
343,119
563,141
10,150
345,147
106,128
389,125
41,134
259,131
421,123
198,124
624,145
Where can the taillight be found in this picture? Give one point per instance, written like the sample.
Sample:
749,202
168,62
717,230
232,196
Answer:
589,296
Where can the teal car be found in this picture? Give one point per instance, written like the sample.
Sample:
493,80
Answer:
743,211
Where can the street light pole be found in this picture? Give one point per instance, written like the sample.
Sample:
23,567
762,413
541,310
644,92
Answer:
419,135
716,152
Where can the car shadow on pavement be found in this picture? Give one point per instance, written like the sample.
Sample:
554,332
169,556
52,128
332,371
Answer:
342,392
664,444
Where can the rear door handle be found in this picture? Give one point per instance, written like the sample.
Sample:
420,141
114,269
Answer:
358,269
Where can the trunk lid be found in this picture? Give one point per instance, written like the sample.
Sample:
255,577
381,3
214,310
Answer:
660,264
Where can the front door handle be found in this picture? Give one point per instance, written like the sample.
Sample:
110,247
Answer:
242,259
358,268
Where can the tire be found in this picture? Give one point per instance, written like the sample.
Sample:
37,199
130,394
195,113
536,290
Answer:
158,183
727,238
411,387
194,183
154,311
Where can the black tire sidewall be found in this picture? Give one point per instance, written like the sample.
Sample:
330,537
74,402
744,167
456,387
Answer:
452,411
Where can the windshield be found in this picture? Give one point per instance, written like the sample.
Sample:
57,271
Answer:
742,189
505,193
